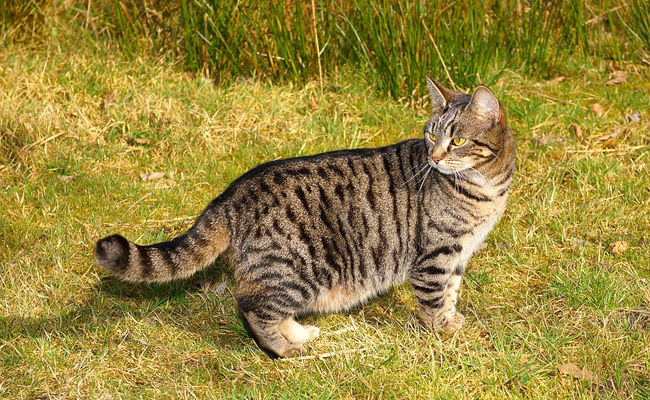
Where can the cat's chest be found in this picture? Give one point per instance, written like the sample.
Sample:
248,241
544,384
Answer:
465,227
490,214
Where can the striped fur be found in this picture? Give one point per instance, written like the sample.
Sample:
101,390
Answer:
325,233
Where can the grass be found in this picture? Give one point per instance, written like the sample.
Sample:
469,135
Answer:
388,43
545,292
394,42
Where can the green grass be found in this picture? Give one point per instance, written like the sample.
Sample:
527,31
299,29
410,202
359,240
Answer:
544,292
391,44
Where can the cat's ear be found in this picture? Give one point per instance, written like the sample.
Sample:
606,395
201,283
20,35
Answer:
485,105
439,94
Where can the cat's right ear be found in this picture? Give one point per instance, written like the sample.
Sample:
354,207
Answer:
438,94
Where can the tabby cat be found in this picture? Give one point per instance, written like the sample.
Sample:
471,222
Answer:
325,233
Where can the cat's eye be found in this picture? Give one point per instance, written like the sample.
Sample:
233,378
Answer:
459,141
432,137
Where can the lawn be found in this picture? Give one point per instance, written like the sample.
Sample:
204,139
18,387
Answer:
557,304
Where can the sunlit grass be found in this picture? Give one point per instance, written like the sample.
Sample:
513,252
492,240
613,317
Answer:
388,43
544,292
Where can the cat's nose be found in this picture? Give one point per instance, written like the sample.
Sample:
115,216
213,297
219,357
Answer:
436,159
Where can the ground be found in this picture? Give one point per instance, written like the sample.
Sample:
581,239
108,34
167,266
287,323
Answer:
556,305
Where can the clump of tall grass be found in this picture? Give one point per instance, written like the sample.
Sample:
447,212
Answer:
392,43
139,24
640,15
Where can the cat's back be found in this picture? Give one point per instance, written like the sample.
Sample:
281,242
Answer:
352,171
339,209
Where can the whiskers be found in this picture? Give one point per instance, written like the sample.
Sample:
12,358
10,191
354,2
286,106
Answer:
420,181
458,175
480,174
497,157
424,179
422,168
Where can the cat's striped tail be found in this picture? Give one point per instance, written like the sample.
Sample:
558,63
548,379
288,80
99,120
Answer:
176,259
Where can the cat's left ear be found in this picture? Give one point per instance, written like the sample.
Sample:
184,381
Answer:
438,94
485,105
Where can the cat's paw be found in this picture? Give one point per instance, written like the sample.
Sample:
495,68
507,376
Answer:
292,350
296,333
441,321
311,331
432,320
454,323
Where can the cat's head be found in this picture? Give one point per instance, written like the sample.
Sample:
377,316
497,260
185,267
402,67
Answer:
464,132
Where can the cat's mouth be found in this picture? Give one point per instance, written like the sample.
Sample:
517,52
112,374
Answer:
462,171
446,171
446,167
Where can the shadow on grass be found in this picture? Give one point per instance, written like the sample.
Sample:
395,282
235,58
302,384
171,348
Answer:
212,316
111,300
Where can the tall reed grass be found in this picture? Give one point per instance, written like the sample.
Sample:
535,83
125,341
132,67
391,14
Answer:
640,21
393,43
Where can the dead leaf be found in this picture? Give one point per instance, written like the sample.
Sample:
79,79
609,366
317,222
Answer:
221,289
634,117
618,247
579,373
548,139
597,109
156,175
66,178
576,130
555,81
141,140
153,176
616,78
109,100
609,141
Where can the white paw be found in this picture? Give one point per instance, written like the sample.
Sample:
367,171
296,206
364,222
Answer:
311,332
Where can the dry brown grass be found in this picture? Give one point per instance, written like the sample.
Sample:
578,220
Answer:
545,292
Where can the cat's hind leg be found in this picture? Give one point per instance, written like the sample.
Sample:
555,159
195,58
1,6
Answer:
268,296
266,333
268,307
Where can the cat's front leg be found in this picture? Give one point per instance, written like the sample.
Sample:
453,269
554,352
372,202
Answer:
453,319
436,289
429,283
